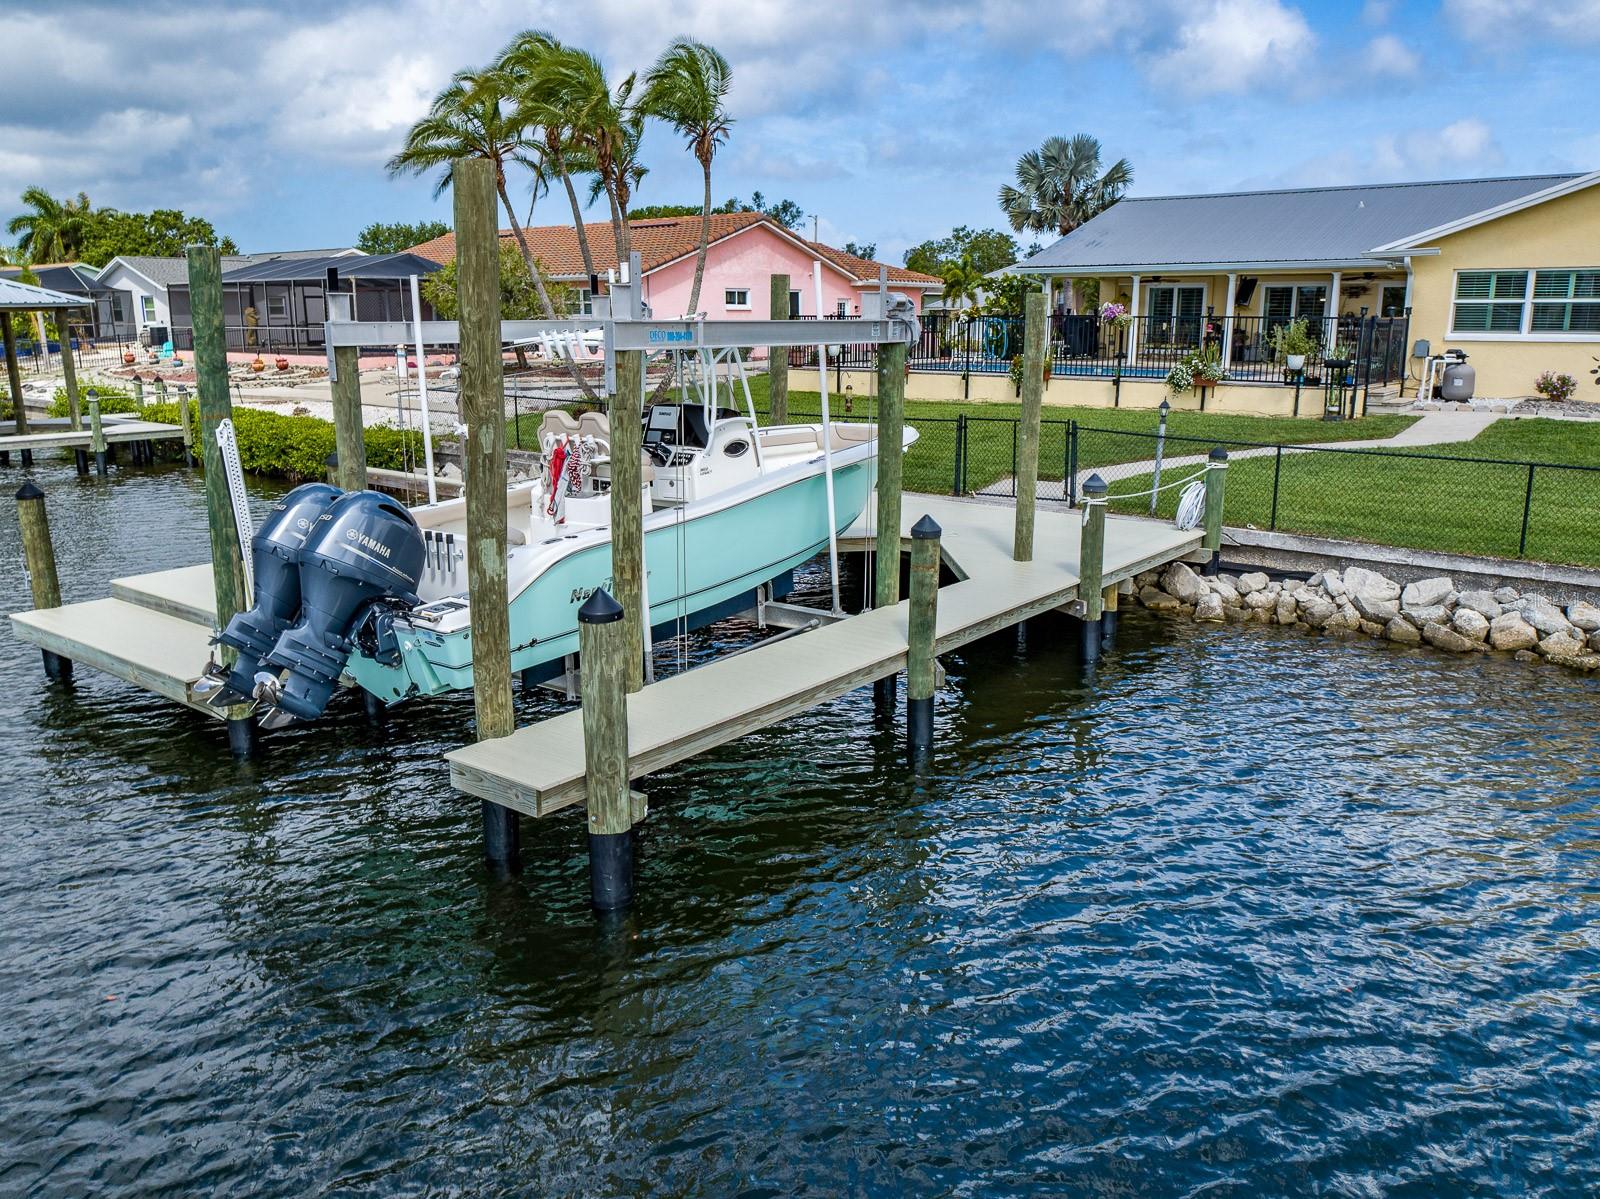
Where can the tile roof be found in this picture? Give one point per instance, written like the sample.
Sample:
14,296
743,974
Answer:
658,241
1321,224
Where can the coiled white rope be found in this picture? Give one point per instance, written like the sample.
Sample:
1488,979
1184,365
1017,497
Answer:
228,446
1191,505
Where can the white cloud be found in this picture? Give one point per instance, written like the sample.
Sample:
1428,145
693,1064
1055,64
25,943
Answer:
1499,23
1229,46
1388,55
1459,148
1376,12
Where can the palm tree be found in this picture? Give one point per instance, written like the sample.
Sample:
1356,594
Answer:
963,281
54,231
688,88
1060,186
604,125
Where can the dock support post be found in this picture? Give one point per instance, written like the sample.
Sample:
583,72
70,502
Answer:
1091,560
183,421
1033,350
778,357
80,460
138,394
69,371
891,454
1216,477
627,509
97,433
8,334
483,411
347,435
1109,600
39,559
920,635
603,649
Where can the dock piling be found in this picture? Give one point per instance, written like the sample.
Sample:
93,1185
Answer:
138,393
39,560
1216,478
347,435
183,420
603,649
69,371
627,508
1091,564
1027,477
97,433
921,623
891,455
1110,599
778,356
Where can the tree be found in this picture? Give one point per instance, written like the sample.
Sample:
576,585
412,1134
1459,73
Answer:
54,230
519,299
861,249
990,250
651,212
786,212
963,282
164,233
688,89
391,238
1060,186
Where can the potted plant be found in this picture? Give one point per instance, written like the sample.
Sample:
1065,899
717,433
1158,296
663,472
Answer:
1206,364
1291,342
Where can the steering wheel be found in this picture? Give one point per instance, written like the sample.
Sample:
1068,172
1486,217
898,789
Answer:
660,453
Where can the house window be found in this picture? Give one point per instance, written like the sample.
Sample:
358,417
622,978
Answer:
794,303
1566,302
843,309
1489,302
1392,301
1282,303
1175,314
147,306
277,307
585,302
736,297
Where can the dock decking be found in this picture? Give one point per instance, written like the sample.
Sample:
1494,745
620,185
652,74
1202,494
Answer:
540,768
117,429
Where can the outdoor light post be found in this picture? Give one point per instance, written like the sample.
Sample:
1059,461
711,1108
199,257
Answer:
1161,442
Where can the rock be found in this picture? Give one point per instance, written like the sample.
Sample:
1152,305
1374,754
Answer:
1344,617
1427,614
1223,589
1182,582
1584,616
1358,580
1318,612
1510,632
1373,629
1594,642
1444,637
1526,655
1209,607
1305,594
1506,595
1375,609
1260,599
1147,578
1481,602
1157,600
1424,593
1402,631
1253,581
1543,615
1561,645
1470,623
1236,614
1126,587
450,471
1275,586
1286,608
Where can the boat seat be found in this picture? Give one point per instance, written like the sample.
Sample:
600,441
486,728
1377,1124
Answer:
596,425
558,424
772,439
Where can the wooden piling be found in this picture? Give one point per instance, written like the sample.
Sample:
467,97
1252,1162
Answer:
97,433
1216,478
69,370
183,422
211,387
8,334
1091,564
1110,601
138,393
778,357
39,560
483,411
347,432
627,510
891,461
1034,344
923,616
603,650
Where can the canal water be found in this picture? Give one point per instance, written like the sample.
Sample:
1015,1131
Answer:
1247,913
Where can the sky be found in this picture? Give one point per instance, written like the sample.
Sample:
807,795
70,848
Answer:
891,123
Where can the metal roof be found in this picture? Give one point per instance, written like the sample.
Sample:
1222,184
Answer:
74,277
25,297
349,266
1331,226
169,272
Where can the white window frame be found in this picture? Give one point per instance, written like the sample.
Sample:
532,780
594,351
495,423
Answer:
735,305
282,314
1525,332
147,309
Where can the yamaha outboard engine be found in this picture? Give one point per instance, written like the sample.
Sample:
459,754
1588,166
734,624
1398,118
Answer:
275,555
365,549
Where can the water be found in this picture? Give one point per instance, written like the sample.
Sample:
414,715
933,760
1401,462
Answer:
1255,914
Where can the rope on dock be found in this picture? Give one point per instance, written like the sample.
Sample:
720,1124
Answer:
1133,495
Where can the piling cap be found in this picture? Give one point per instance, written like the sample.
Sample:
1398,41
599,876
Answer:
600,608
29,491
1095,486
926,529
1218,454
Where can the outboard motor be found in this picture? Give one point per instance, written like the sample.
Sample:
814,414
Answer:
365,549
275,554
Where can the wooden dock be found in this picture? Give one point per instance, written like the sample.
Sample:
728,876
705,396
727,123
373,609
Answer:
539,769
118,429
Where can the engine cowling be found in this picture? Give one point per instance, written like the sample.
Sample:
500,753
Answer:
365,549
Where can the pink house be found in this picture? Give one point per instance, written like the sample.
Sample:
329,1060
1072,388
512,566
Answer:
745,251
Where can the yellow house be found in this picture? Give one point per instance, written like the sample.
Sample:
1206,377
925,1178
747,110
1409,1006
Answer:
1505,270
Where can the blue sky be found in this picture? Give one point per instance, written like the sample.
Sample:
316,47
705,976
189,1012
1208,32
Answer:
892,123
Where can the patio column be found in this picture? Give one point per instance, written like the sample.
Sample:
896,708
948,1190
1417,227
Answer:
1331,315
1408,286
1133,328
1227,321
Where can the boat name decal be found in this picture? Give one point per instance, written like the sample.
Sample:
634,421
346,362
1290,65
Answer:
581,594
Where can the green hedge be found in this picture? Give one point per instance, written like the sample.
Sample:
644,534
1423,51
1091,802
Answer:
112,399
297,447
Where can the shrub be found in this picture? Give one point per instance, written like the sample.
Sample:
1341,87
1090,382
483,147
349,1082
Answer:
112,399
1555,385
296,448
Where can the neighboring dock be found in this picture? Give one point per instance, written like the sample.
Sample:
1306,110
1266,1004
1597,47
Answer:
539,769
114,430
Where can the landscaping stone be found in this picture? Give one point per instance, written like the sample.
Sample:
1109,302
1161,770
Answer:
1425,593
1444,637
1209,607
1584,616
1506,595
1481,602
1182,582
1470,623
1561,645
1402,631
1426,614
1147,578
1252,582
1509,631
1344,617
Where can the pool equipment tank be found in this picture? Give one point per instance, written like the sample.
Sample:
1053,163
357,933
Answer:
275,555
1459,379
365,552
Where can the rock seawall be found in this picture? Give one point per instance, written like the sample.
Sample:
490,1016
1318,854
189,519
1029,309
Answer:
1361,602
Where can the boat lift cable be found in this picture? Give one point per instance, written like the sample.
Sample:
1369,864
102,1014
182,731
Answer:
228,446
827,450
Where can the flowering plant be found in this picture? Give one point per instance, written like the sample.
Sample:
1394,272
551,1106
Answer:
1115,315
1555,385
1198,368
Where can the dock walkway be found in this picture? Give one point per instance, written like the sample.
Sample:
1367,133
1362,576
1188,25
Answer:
539,769
117,429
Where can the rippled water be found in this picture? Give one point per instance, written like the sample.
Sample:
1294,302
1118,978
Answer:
1250,914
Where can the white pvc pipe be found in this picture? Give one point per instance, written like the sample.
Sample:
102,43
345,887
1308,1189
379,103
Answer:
827,449
422,390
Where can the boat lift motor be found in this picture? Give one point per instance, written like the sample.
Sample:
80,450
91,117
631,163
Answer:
275,555
365,552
